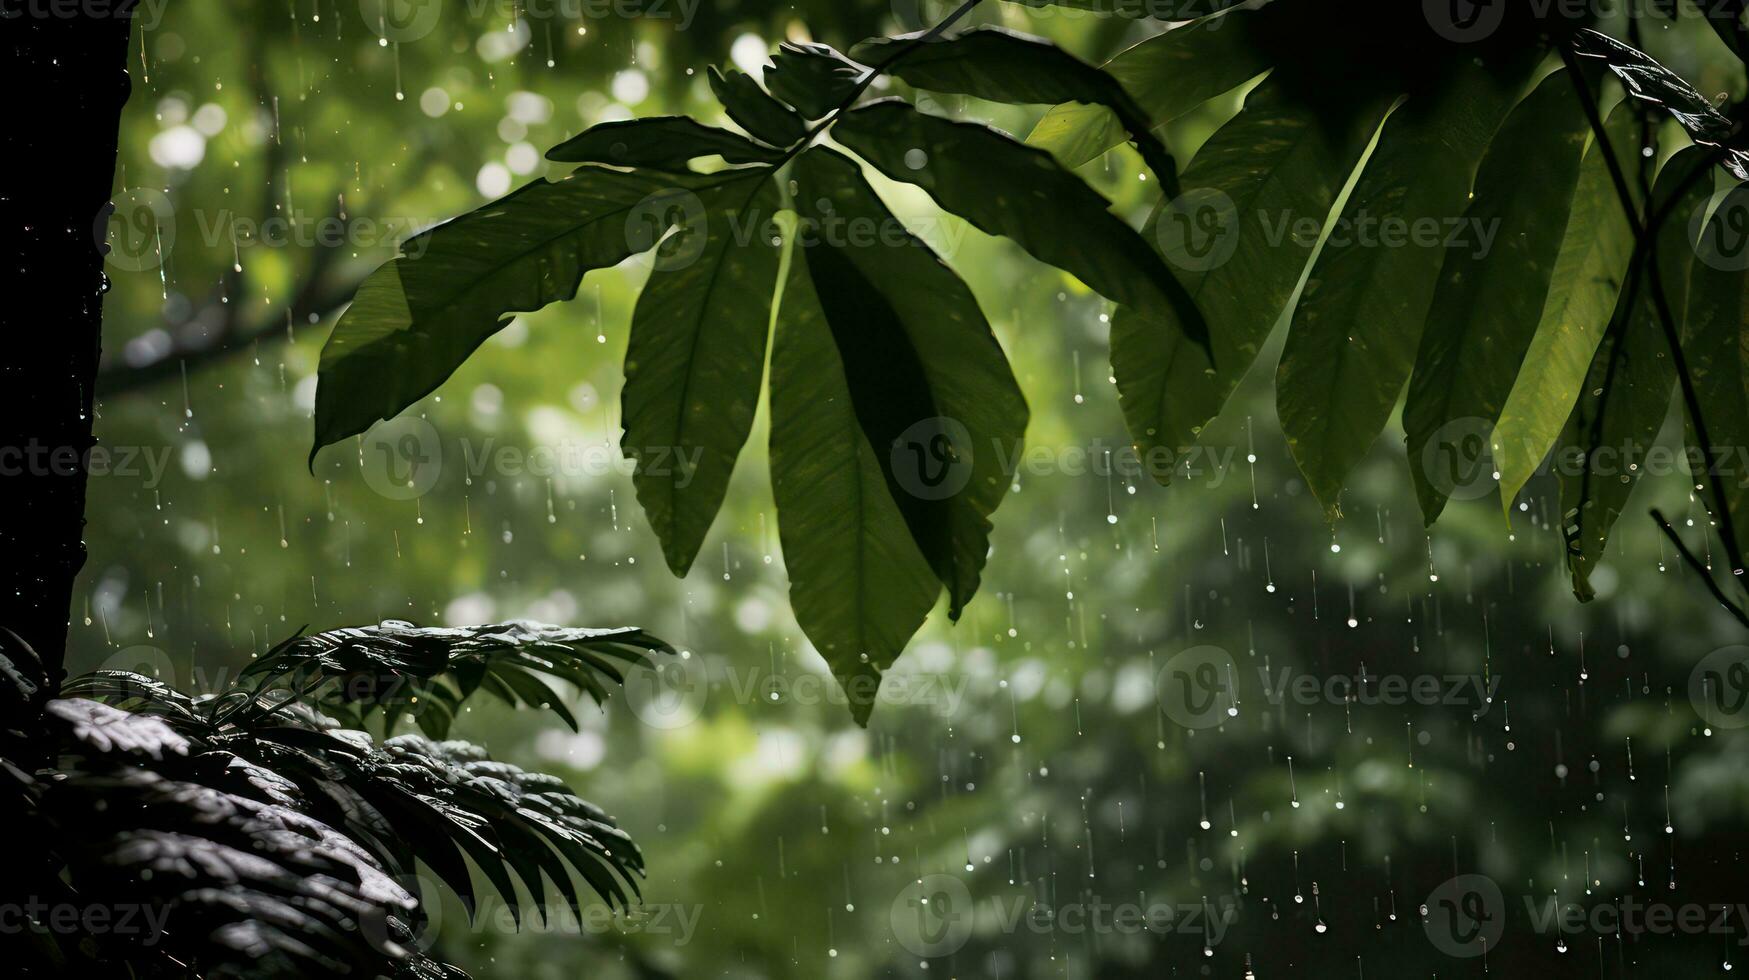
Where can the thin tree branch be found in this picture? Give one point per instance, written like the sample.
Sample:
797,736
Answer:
319,294
1699,568
1666,320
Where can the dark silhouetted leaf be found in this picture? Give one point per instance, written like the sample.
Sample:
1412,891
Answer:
858,583
1727,18
1168,75
1492,287
1238,240
418,317
1003,66
813,77
928,381
695,361
1588,275
663,142
108,730
1625,397
754,110
1358,323
1157,9
1713,344
1010,189
386,666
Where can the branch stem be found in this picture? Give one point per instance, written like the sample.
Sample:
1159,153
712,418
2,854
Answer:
1666,320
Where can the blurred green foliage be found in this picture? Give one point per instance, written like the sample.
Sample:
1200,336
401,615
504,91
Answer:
1025,751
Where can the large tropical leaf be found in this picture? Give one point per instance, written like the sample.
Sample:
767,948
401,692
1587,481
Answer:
1168,75
753,110
416,319
1003,66
859,585
662,142
1160,9
1713,343
1010,189
1727,19
1237,238
927,379
695,361
1626,392
1492,287
1358,324
1587,280
813,77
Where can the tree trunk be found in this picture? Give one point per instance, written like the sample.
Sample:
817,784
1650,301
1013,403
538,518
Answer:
68,65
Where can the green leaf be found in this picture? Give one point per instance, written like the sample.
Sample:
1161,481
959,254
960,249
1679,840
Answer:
1168,75
1002,66
1714,338
363,669
1658,86
754,110
1582,293
418,317
928,381
1492,288
534,693
814,78
1355,333
1010,189
1170,10
1727,20
663,142
1233,238
858,584
695,359
1626,394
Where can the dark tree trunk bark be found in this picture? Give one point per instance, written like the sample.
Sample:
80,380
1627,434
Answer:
67,62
